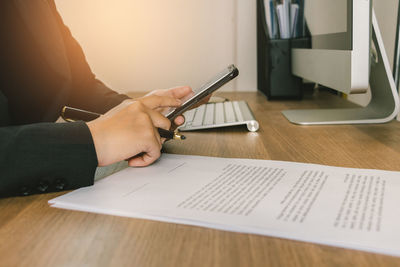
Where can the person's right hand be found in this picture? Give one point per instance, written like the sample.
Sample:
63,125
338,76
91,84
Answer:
129,131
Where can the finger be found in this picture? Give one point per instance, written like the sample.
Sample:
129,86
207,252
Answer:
205,100
180,92
157,92
158,119
155,101
151,128
157,137
150,152
176,92
179,120
145,159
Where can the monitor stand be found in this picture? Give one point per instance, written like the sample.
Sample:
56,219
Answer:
384,104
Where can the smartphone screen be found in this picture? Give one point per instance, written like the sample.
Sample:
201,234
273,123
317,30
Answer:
216,82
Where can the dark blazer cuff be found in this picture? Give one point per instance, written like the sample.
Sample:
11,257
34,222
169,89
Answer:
46,157
81,154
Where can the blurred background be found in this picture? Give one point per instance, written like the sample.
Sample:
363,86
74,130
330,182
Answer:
141,45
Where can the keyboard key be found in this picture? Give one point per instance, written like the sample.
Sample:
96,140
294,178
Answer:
189,115
246,112
209,115
198,116
219,113
238,112
229,113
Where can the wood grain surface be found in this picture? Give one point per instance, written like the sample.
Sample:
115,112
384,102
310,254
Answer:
33,234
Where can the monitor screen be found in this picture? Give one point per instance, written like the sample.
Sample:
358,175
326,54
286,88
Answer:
330,23
341,37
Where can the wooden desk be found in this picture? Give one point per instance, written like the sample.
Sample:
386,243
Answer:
33,234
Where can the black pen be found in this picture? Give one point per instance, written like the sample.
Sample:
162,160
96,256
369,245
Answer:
73,114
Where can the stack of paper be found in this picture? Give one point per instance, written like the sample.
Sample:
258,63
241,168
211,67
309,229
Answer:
352,208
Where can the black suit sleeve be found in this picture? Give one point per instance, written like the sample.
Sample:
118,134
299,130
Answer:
87,92
66,152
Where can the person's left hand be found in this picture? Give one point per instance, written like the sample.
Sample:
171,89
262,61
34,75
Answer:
182,93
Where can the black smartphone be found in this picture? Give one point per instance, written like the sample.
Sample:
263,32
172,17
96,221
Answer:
219,80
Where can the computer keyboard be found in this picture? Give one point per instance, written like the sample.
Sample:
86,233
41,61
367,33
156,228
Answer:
214,115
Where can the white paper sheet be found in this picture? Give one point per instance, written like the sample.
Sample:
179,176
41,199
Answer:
352,208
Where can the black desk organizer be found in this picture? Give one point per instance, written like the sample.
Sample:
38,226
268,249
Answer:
274,75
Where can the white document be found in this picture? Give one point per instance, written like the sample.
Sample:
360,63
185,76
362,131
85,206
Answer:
352,208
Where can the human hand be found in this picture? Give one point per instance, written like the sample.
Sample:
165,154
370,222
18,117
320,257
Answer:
182,93
129,131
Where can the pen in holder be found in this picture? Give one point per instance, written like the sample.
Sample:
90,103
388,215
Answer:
274,75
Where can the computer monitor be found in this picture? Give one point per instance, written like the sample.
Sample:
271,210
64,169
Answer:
340,58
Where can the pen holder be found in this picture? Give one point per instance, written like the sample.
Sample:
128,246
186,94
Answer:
274,74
